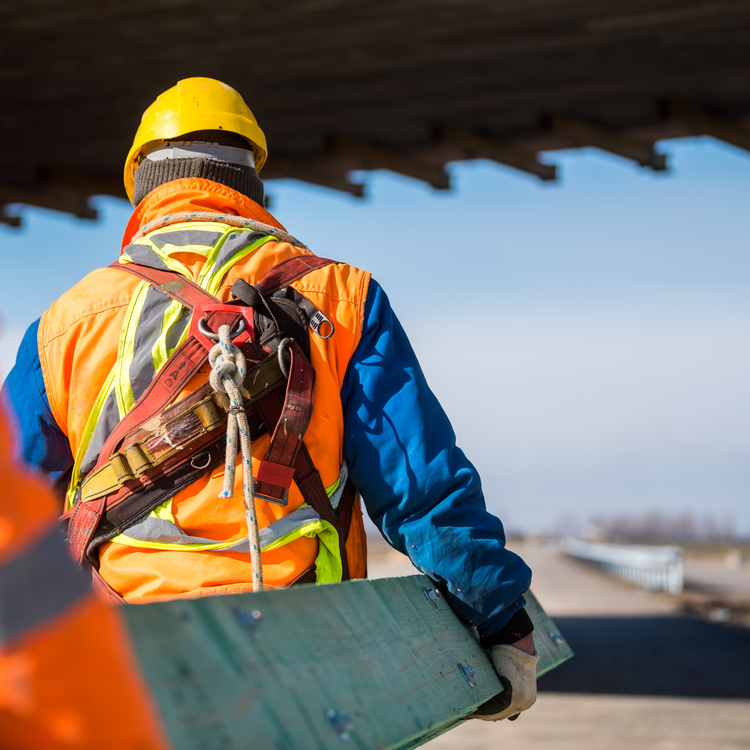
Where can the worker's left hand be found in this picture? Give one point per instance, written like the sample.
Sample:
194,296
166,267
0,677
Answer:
516,667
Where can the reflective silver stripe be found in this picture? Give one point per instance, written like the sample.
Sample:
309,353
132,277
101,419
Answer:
287,524
162,531
147,331
38,584
109,418
183,237
174,334
234,243
335,498
144,255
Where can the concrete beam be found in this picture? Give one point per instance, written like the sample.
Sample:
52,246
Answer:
55,197
285,168
585,134
475,146
11,221
368,156
703,123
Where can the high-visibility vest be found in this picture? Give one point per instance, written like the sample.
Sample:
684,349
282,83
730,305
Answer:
157,557
67,676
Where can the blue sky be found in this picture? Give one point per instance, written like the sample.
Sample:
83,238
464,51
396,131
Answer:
605,318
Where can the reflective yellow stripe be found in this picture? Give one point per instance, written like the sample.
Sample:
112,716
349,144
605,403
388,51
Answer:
123,388
209,279
172,265
330,490
164,511
159,352
165,254
203,226
216,277
127,541
88,432
328,567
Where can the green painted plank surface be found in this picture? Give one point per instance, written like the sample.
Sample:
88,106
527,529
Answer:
363,664
552,647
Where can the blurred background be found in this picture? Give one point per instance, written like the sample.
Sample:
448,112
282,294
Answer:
575,179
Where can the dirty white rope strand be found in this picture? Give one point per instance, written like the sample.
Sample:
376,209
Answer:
227,376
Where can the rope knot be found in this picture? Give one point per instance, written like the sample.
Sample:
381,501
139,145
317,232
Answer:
228,367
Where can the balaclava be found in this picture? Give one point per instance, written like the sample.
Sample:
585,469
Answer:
240,177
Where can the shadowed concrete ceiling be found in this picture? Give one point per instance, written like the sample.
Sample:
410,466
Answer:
338,85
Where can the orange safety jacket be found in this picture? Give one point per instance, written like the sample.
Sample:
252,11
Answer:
55,635
99,333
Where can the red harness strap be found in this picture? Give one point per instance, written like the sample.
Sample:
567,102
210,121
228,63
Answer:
277,468
172,284
287,456
308,479
179,368
171,379
289,270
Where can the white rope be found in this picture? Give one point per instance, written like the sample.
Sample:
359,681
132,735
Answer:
227,376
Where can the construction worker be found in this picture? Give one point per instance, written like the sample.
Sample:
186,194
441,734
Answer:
50,621
110,388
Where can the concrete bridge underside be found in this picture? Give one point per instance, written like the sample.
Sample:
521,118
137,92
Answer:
377,84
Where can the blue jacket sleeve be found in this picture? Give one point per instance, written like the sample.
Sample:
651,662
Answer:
42,444
417,485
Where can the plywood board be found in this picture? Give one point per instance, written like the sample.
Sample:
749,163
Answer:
364,664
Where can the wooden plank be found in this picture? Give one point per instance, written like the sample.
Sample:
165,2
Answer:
377,664
550,643
553,651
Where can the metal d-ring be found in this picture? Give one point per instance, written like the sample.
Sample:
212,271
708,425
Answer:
215,336
201,460
280,352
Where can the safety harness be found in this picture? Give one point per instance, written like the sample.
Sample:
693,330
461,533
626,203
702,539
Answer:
160,447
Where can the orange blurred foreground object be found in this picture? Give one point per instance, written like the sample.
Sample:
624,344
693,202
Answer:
67,676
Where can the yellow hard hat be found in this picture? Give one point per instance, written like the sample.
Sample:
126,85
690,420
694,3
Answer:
195,104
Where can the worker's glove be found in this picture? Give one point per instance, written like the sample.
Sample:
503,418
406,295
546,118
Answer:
517,671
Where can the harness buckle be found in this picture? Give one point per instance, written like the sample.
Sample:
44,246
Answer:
207,319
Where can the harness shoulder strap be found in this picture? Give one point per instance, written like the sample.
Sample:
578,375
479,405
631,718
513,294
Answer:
284,459
178,369
289,270
172,284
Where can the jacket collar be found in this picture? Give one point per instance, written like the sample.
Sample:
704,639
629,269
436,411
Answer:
194,194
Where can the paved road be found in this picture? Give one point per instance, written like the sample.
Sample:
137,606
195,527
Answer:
644,677
713,576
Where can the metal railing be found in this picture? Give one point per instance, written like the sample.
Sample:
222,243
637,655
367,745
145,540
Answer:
652,568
